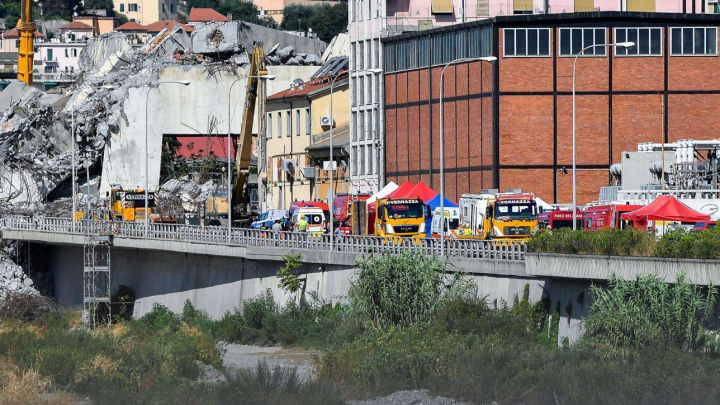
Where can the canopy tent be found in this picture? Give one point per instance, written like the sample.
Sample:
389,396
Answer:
665,208
388,189
403,191
432,205
422,191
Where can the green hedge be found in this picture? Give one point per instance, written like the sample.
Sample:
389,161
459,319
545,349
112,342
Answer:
678,243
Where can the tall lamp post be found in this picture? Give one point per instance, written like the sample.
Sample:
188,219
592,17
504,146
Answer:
229,171
72,163
332,127
147,153
442,139
574,184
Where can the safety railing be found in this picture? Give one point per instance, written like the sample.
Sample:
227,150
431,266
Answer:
354,244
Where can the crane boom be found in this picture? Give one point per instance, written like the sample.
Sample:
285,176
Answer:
26,29
242,154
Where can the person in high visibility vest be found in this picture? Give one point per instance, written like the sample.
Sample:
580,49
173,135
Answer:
302,224
467,231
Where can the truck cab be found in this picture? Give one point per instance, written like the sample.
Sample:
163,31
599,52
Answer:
515,217
343,209
403,217
129,205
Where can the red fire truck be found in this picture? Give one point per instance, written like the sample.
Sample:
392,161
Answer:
342,211
606,216
559,218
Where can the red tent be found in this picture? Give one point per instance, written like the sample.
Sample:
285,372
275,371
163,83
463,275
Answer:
403,191
665,208
423,191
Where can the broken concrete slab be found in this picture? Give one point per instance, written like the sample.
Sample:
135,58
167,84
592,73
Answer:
98,50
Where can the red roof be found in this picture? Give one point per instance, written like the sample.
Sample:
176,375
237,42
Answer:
665,208
76,25
205,15
13,33
169,24
131,26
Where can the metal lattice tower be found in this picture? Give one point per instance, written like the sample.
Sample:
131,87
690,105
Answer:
96,279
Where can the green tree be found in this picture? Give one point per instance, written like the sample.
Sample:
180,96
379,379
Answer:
325,20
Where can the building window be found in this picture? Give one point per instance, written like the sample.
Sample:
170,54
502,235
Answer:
353,56
122,7
66,52
269,126
574,40
648,41
163,7
74,53
49,54
132,7
526,42
288,115
712,7
172,8
353,124
308,122
297,122
279,126
361,126
693,41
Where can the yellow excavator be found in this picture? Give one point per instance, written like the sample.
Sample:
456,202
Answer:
244,141
26,28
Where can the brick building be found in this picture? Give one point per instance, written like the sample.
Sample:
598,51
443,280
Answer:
508,124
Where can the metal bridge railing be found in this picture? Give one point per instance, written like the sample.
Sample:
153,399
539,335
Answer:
458,248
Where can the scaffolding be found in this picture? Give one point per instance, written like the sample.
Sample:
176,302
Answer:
96,279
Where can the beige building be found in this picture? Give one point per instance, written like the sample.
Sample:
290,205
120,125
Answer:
298,142
275,8
147,11
101,25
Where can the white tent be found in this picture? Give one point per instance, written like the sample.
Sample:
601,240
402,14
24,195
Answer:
389,188
542,204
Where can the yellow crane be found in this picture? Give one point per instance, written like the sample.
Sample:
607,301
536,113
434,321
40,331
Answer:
26,28
244,142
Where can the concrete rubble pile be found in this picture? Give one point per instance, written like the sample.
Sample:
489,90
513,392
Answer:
12,277
179,196
35,130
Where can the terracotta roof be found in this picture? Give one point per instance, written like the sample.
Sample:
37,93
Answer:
205,15
169,24
305,89
131,26
76,25
13,33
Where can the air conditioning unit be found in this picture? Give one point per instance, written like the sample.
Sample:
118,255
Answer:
326,121
288,166
308,172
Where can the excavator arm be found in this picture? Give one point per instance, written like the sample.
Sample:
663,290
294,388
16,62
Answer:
26,28
244,143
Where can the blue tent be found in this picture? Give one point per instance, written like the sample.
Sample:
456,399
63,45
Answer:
433,204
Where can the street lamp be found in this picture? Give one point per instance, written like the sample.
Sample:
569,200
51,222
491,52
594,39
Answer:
229,171
442,140
332,127
147,158
574,184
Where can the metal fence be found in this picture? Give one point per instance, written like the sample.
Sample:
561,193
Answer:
458,248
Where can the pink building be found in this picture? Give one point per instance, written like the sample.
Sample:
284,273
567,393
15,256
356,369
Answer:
415,15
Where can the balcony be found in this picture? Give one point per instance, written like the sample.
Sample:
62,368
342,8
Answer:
55,77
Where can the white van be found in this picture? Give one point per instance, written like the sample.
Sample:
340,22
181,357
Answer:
452,221
314,216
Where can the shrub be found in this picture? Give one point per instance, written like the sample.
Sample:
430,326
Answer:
614,242
680,243
402,290
630,314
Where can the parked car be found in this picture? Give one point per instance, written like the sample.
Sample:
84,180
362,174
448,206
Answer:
267,219
703,226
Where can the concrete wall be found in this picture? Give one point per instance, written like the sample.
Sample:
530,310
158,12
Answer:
595,267
174,109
